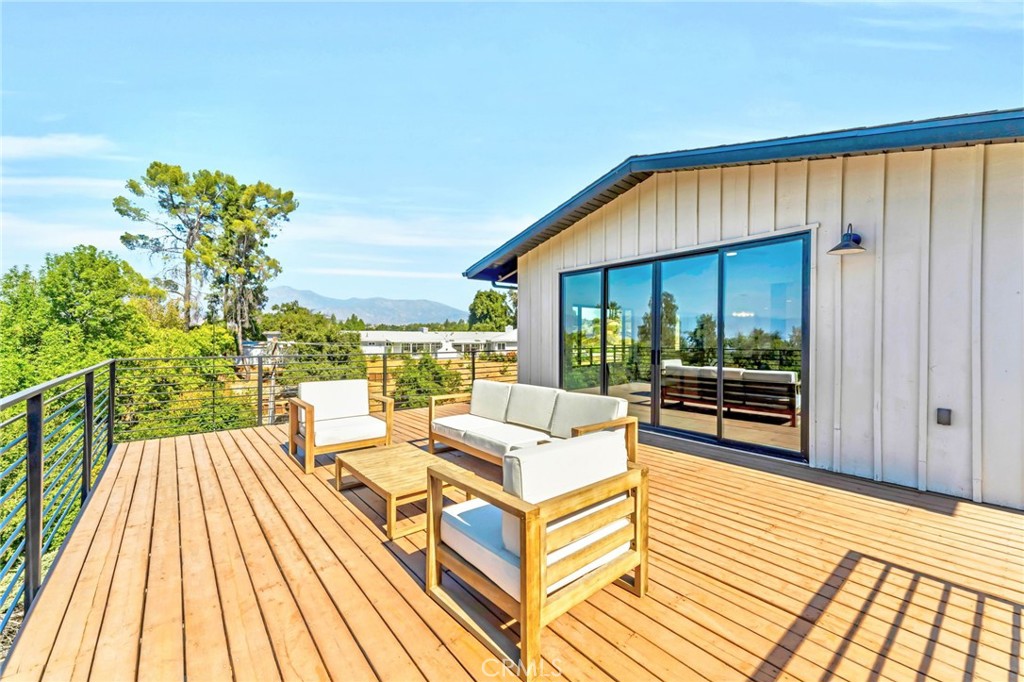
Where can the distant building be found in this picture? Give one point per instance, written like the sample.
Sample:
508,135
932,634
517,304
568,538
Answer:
440,343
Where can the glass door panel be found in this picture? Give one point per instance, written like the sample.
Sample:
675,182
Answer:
689,344
581,332
629,336
762,344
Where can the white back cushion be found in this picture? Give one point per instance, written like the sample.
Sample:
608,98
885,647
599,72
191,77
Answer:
336,399
676,362
490,399
531,405
541,472
581,409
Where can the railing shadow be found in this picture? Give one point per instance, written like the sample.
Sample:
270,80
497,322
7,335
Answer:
986,606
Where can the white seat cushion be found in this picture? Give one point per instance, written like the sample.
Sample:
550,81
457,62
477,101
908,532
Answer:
455,426
581,409
780,377
731,373
501,438
539,473
346,430
682,371
531,406
336,399
490,399
473,529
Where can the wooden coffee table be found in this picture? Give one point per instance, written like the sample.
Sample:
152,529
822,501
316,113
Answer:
398,473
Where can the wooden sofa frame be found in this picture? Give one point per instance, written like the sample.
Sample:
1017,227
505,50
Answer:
536,608
629,423
750,396
306,441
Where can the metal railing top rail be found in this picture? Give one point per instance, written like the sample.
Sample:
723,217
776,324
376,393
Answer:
10,401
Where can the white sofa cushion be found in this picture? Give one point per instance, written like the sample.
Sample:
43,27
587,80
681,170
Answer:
681,370
346,430
780,377
336,399
456,426
545,471
474,530
582,409
731,373
531,405
490,399
674,362
501,438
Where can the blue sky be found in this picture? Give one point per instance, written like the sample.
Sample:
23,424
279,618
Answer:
419,137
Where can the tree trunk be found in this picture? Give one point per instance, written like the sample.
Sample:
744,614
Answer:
188,294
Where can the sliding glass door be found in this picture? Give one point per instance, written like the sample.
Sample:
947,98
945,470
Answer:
689,344
710,344
628,337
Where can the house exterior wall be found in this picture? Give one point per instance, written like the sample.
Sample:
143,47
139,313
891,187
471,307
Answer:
931,316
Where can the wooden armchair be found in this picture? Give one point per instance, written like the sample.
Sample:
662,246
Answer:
333,416
570,519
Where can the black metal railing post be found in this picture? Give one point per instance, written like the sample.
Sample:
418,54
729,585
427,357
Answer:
384,374
34,497
90,421
111,385
472,365
259,390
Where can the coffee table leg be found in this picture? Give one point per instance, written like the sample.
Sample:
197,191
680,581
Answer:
338,471
392,512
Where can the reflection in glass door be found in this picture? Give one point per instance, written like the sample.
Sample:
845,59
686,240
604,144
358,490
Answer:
581,332
728,335
762,348
629,336
689,344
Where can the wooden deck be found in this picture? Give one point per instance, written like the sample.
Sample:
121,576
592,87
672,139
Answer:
213,557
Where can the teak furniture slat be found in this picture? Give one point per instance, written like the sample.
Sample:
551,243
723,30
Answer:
759,570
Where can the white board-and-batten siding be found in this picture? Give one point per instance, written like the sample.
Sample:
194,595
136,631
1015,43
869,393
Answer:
931,316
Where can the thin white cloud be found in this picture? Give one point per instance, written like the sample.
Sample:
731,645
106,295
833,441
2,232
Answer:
53,145
394,274
61,185
926,16
21,237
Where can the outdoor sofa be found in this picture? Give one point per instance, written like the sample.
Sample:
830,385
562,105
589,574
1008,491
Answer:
753,390
505,417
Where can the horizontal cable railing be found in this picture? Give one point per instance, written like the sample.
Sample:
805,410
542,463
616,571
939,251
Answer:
54,441
163,397
56,437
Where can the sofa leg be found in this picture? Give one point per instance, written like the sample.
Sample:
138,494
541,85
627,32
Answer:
430,445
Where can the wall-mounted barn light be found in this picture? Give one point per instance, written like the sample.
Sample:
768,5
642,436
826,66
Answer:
848,245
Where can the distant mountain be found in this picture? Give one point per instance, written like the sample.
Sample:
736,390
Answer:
370,310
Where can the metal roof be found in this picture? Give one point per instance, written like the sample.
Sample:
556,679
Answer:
993,126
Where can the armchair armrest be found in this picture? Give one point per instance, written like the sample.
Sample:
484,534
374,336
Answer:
629,423
435,399
389,412
295,404
488,491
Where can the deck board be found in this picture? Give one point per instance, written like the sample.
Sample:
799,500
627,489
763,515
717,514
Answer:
213,556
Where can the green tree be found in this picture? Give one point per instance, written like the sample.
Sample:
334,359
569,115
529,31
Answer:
489,311
418,379
93,290
187,210
237,255
323,350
